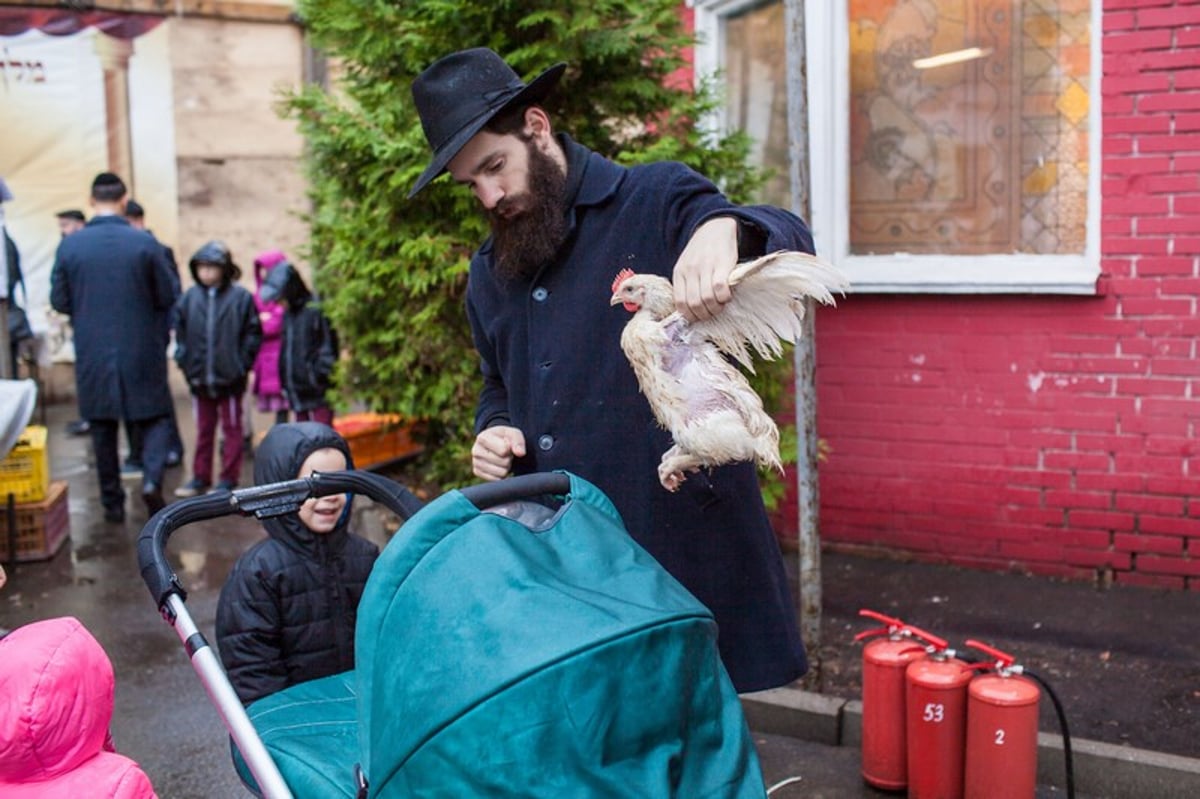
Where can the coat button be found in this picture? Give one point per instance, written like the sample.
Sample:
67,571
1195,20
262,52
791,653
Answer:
545,442
540,294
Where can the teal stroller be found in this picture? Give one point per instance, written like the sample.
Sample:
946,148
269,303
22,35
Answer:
512,641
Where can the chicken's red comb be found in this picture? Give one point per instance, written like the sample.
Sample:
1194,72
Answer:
622,276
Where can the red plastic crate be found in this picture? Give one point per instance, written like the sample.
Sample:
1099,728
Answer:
41,527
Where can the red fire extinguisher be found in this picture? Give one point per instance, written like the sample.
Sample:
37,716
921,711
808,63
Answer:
936,696
1002,729
892,648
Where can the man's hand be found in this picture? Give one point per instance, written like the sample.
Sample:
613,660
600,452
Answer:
494,450
701,275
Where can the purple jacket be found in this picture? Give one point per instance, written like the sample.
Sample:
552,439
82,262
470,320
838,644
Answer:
56,700
270,315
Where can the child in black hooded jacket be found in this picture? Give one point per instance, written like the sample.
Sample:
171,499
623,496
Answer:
309,347
217,336
288,609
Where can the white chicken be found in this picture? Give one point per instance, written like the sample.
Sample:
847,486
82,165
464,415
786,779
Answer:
696,393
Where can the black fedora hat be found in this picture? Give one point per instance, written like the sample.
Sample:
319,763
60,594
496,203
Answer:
460,93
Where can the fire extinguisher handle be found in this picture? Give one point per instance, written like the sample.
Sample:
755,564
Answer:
1003,658
939,644
896,625
877,616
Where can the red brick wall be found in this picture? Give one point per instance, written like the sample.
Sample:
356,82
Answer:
1056,435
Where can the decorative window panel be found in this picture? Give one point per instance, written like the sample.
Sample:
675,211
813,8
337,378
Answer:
949,139
968,126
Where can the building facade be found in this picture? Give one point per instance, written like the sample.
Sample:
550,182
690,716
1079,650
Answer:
180,100
1014,189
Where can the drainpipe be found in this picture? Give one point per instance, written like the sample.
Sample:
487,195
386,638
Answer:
808,501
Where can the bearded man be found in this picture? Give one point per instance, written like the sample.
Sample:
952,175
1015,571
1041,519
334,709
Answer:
557,391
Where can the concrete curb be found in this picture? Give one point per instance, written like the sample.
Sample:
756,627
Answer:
1101,770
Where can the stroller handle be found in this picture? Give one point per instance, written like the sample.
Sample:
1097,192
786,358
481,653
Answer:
277,499
262,502
487,495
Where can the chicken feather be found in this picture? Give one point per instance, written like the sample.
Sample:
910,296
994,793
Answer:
695,392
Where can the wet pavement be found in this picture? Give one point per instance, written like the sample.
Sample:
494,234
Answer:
164,720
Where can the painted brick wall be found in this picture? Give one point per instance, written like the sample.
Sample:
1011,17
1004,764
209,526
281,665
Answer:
1056,435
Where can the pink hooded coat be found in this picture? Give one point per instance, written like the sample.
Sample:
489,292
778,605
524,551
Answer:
56,701
270,315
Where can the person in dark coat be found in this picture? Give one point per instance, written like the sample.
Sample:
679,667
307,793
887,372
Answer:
18,322
71,221
287,612
217,336
308,348
136,215
557,391
10,271
115,284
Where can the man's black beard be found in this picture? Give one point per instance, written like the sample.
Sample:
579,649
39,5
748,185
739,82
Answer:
528,241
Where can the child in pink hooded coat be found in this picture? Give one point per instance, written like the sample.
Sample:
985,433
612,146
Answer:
56,701
268,391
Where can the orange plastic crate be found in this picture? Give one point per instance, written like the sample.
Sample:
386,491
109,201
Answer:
25,473
376,438
41,527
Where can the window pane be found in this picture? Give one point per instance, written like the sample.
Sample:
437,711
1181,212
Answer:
755,61
968,126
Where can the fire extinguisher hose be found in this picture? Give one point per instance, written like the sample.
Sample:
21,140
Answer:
1062,725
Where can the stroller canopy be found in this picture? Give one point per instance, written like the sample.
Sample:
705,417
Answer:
496,657
530,650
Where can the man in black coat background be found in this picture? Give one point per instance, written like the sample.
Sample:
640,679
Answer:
115,284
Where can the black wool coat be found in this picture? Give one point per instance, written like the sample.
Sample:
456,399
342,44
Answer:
115,283
308,352
552,366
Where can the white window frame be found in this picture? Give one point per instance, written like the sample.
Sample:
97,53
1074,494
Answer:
827,44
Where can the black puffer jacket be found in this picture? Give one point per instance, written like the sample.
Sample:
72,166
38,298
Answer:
309,348
287,612
217,332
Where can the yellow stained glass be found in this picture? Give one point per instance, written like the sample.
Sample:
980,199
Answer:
968,123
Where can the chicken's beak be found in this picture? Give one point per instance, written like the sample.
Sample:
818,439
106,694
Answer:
615,300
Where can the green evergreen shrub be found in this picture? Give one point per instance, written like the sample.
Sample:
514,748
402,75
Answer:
392,272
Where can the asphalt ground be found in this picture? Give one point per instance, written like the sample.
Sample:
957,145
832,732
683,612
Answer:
164,720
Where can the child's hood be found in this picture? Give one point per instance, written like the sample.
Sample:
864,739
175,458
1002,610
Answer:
284,284
264,262
215,252
279,458
56,699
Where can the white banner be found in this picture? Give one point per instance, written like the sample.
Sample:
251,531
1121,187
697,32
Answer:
54,114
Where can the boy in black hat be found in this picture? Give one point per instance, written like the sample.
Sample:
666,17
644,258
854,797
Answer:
136,215
558,392
70,221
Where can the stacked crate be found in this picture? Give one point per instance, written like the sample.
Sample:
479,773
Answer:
377,438
39,522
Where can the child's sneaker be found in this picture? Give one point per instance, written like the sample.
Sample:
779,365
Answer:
192,488
223,485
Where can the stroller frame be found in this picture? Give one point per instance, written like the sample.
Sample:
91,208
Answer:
263,502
